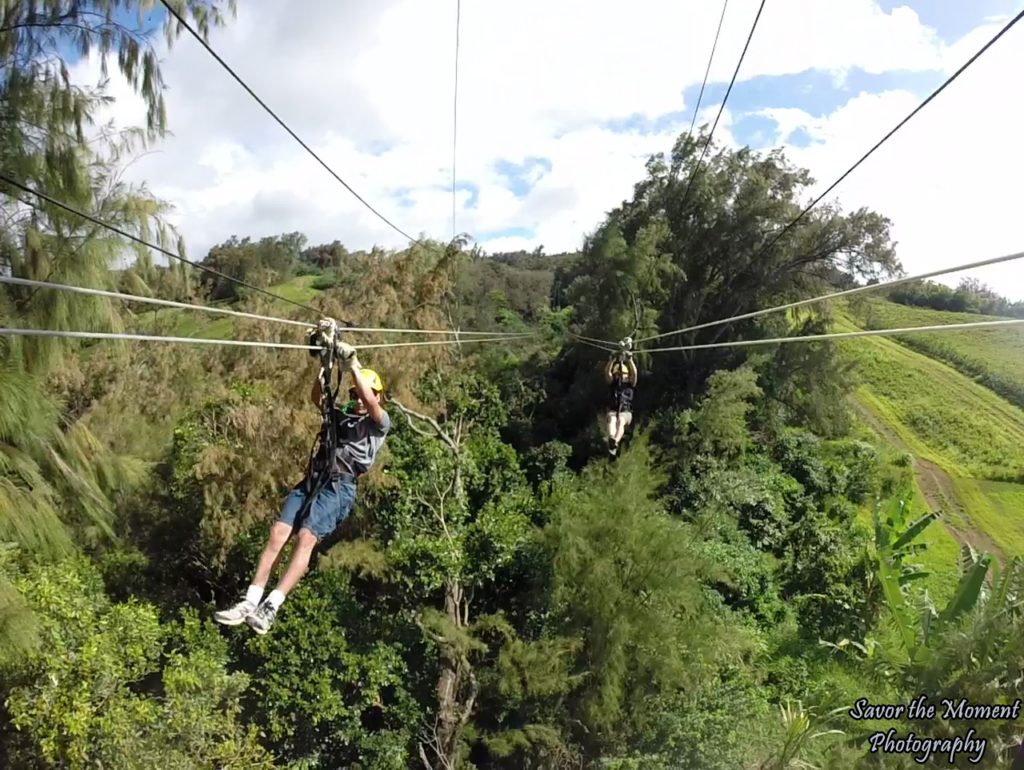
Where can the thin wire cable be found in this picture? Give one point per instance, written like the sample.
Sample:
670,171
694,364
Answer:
209,341
831,187
147,300
455,109
613,345
898,126
146,337
140,241
845,293
840,335
721,108
436,342
241,314
283,125
599,347
707,71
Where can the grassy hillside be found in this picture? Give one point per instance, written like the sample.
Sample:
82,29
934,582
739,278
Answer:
189,323
993,357
968,442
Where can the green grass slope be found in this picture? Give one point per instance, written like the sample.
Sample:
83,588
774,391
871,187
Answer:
174,322
968,440
992,357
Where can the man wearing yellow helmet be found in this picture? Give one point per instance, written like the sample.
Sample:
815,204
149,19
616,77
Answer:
359,430
621,376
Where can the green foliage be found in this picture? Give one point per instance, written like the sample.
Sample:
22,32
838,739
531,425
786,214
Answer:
454,515
991,357
267,261
717,724
626,579
110,685
717,425
325,690
688,258
970,296
218,486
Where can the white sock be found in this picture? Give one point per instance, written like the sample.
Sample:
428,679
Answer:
254,594
276,599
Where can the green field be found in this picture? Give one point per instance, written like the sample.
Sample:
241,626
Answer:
972,439
188,323
992,357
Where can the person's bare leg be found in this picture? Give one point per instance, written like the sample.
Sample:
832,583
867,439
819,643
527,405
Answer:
624,420
232,616
613,425
263,618
279,534
299,562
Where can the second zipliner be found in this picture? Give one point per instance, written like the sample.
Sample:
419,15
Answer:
349,441
620,373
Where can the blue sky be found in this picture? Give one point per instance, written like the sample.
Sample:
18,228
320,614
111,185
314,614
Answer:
952,19
153,20
550,129
816,92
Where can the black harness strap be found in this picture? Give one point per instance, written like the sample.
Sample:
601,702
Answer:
326,441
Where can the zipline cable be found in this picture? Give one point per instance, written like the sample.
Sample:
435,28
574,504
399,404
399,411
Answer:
455,109
1006,28
140,241
208,341
147,300
840,335
599,347
721,107
707,71
1009,25
238,313
605,345
844,293
437,342
283,125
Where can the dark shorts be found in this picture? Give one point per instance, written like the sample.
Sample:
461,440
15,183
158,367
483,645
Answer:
330,507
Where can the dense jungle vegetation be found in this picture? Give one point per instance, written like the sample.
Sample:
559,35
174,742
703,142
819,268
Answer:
755,561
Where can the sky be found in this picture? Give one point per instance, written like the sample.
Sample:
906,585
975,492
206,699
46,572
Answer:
560,104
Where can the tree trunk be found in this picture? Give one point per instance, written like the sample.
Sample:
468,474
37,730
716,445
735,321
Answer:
449,716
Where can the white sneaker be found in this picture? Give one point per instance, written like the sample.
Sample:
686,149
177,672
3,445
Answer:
262,619
235,615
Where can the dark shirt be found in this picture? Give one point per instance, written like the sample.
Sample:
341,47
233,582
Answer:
620,394
359,441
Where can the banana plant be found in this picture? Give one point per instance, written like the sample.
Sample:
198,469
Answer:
800,726
918,622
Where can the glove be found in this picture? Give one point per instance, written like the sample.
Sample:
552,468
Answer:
327,328
344,351
629,355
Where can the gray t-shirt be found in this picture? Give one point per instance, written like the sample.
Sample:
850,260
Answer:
359,441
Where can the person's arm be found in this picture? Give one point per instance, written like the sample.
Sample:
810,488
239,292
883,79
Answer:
608,370
633,373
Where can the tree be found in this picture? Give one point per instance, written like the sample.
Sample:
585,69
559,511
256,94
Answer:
690,259
54,472
459,515
112,686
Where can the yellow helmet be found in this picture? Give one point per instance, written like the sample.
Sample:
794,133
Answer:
374,379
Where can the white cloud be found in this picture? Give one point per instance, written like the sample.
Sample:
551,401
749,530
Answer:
537,79
949,179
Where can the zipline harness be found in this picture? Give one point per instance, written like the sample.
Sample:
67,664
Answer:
326,443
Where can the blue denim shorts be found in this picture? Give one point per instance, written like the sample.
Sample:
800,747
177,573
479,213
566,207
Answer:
330,507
